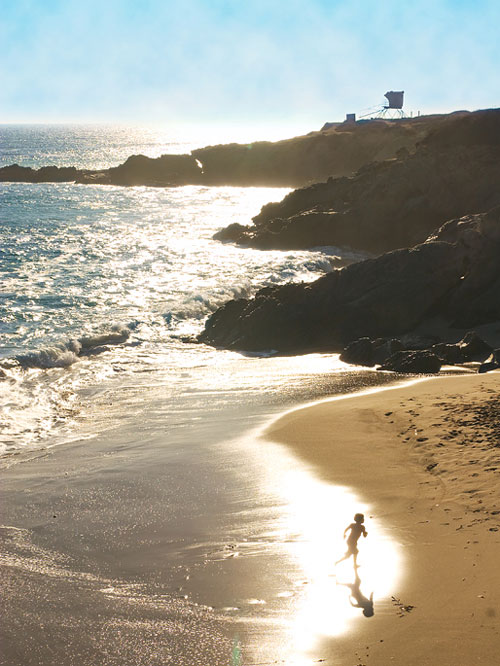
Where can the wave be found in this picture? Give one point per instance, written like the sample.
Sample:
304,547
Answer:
63,355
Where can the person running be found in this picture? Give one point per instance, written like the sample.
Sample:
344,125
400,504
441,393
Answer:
356,530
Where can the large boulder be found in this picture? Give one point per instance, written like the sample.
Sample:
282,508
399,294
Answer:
491,363
164,170
370,352
359,352
474,348
450,354
420,362
383,349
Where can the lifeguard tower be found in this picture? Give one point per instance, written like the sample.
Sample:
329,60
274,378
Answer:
391,110
394,106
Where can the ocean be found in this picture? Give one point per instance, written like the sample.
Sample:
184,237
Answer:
103,290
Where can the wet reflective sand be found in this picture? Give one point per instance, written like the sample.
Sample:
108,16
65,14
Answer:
138,547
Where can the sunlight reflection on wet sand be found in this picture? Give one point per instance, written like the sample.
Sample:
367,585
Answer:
315,517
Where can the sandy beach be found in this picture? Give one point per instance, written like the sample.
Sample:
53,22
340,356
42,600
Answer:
425,458
104,560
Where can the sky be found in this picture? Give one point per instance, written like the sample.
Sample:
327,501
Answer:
261,62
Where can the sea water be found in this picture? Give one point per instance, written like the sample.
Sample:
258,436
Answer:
103,291
99,284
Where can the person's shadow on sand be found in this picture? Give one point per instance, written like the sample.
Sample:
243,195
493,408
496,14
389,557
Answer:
357,598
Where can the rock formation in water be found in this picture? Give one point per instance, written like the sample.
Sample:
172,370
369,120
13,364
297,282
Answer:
436,290
49,174
397,203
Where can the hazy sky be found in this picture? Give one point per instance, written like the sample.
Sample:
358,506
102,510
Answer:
269,62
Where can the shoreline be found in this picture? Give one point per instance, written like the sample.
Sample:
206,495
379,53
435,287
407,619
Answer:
429,471
89,544
152,522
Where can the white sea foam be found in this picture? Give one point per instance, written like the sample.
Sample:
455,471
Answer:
62,355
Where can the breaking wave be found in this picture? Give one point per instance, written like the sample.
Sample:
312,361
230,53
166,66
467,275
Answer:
63,355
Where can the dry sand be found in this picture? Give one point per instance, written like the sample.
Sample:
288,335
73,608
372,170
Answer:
426,457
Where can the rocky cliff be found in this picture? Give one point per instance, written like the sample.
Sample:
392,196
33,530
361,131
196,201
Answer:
453,277
454,171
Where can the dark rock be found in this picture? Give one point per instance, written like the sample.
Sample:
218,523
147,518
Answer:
94,178
492,362
488,365
339,151
163,171
383,349
416,341
359,352
421,362
449,353
370,352
474,348
48,174
233,233
384,297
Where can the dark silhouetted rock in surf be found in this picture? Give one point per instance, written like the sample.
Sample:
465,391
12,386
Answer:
383,349
370,352
232,233
48,174
422,361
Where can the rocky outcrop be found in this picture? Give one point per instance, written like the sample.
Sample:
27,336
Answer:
370,352
491,363
397,203
338,151
453,276
413,362
417,354
166,170
48,174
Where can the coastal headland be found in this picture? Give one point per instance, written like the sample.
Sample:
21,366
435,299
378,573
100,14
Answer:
419,198
427,293
334,152
425,457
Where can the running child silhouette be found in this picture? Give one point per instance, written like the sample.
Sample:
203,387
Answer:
357,529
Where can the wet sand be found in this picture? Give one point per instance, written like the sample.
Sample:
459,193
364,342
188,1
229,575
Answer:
426,459
167,538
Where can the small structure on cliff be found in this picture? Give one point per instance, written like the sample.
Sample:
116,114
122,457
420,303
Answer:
394,106
392,109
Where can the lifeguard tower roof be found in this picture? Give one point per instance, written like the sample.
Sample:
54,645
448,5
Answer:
395,99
